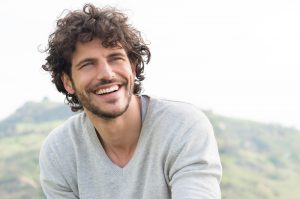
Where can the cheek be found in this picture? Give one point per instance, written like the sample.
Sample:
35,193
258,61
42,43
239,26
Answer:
82,80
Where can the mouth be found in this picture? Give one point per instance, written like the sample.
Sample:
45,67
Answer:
107,90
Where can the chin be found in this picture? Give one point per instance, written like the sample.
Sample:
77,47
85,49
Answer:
112,112
108,114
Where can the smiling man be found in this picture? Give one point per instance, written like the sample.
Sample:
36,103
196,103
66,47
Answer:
122,144
102,79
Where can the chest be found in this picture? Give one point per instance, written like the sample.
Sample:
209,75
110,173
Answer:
143,179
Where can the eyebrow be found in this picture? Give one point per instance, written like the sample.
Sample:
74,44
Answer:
116,54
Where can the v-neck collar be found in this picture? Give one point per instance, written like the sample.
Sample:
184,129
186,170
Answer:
145,101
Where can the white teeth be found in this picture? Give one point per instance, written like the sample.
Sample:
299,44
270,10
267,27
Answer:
107,90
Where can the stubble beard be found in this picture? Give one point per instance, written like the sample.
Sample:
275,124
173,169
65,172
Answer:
86,102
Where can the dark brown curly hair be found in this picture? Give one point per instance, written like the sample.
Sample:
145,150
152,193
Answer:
107,24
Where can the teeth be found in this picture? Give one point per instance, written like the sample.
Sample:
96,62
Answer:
107,90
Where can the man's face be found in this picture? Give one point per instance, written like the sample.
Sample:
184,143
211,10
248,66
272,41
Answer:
102,79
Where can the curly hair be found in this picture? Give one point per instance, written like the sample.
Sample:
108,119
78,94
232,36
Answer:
110,26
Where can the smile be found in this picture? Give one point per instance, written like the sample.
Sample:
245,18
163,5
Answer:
107,90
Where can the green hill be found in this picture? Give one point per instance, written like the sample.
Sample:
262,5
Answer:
260,161
33,116
21,136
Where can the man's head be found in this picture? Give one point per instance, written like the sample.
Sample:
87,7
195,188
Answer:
82,26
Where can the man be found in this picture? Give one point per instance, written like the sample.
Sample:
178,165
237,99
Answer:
122,144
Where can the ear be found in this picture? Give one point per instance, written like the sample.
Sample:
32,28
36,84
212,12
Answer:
67,83
133,68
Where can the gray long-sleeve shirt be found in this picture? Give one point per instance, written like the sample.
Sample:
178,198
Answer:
176,157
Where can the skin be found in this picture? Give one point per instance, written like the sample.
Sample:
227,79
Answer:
115,115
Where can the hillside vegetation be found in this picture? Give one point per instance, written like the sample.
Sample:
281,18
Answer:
260,161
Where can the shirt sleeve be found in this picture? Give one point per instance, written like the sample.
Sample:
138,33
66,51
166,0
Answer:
195,170
53,182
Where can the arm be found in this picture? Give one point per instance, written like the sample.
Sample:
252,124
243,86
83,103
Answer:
196,170
53,182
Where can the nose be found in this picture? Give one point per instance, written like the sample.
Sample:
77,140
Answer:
105,72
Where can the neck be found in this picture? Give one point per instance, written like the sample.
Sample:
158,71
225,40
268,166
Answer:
119,136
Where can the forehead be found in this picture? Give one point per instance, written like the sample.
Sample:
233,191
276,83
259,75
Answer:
95,43
94,48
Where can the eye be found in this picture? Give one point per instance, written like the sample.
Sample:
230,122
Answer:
117,58
86,64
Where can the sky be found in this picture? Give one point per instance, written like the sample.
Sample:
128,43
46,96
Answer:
236,58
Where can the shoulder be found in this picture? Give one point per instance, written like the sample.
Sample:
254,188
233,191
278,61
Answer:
183,112
62,136
185,135
58,155
175,121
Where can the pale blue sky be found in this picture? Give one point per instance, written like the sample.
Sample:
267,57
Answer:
237,58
